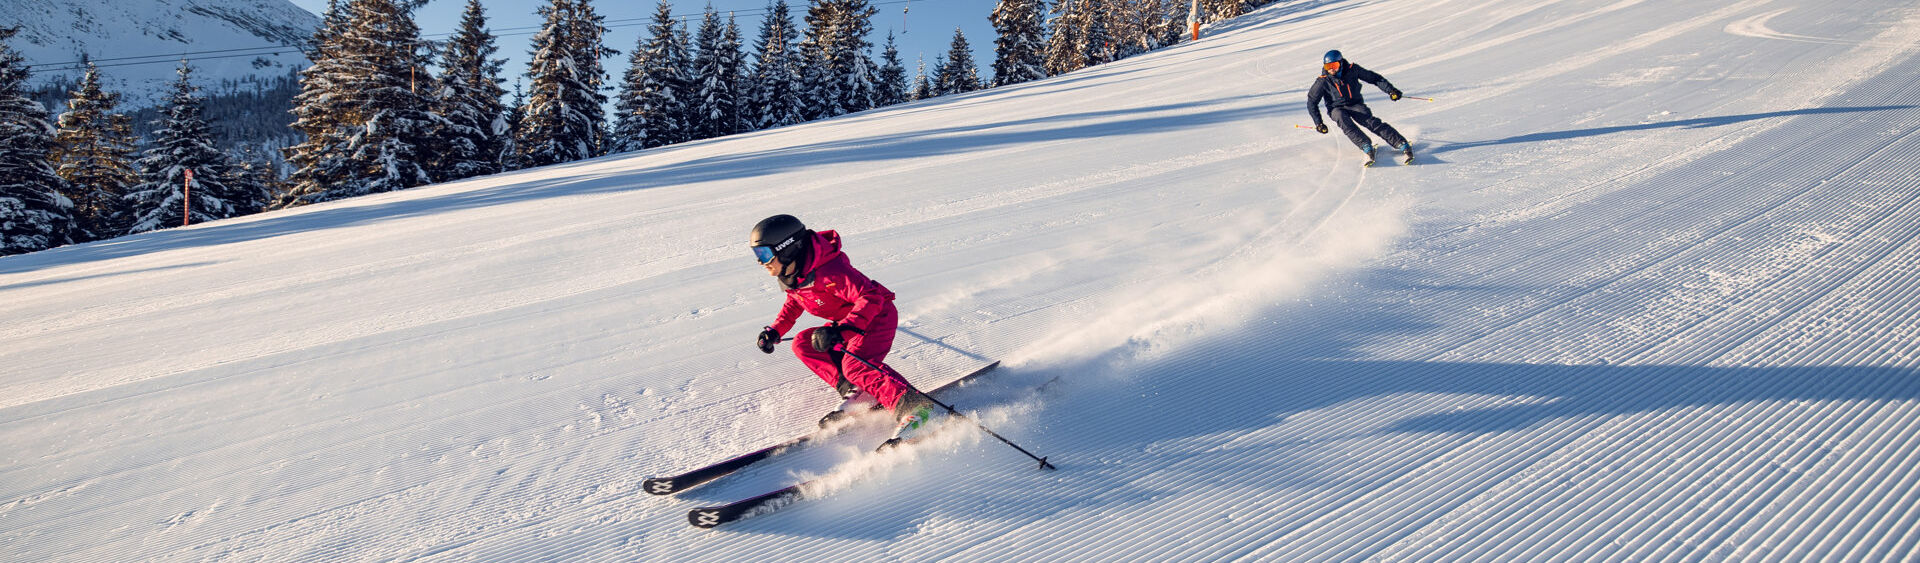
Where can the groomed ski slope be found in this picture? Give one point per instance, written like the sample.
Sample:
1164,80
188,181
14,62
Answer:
1650,295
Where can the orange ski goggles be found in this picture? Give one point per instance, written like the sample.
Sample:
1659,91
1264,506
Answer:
1332,67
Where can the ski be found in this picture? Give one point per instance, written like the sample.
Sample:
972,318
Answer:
710,516
701,475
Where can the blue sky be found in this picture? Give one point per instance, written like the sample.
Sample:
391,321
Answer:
921,27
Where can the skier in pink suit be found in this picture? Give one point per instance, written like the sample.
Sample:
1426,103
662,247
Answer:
862,320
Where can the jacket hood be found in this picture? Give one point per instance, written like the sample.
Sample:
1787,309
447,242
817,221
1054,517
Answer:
824,248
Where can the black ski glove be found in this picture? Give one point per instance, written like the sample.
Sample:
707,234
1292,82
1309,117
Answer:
768,339
1320,128
826,337
1393,95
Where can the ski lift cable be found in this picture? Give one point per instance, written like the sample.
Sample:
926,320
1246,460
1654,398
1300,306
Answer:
303,45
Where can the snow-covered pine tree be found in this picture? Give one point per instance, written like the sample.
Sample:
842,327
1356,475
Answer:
33,214
255,181
957,74
819,90
653,102
733,65
393,149
890,82
184,141
714,110
774,98
588,34
1066,47
474,140
93,152
1216,10
326,113
1170,27
922,86
558,120
1019,49
516,115
1129,22
853,59
1098,41
836,71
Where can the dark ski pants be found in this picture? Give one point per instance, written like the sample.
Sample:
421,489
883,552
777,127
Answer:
1352,118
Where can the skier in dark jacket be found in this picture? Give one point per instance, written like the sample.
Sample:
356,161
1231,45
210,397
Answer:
1339,87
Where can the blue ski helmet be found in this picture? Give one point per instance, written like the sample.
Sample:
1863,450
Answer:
1332,57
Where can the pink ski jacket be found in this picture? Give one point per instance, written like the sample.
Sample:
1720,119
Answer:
832,289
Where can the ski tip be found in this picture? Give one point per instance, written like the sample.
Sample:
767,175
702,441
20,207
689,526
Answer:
704,517
658,486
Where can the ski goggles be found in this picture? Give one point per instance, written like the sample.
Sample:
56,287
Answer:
763,253
1332,66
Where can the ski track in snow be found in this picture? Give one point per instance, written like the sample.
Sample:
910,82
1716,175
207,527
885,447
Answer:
1649,294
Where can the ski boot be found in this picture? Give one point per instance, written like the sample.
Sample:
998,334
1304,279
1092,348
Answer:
853,401
1369,151
918,416
1407,148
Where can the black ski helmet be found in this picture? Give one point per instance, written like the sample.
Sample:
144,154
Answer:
779,236
1333,56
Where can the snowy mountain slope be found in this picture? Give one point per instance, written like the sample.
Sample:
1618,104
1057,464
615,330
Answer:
138,45
1650,295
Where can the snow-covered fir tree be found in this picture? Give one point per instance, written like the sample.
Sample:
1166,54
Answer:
1097,39
1216,10
474,139
183,142
922,86
33,214
957,74
818,87
836,72
733,64
94,153
854,58
393,149
562,118
890,82
516,115
1066,47
774,91
1019,48
589,35
715,107
1145,25
654,92
326,113
255,181
1170,27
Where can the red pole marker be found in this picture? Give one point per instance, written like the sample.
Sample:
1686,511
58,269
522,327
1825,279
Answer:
186,211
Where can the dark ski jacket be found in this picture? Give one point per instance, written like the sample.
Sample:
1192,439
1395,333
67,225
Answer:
832,289
1342,89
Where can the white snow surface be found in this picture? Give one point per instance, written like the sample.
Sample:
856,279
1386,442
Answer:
1650,295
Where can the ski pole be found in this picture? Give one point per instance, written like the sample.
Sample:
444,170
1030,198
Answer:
1299,126
1416,98
952,411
